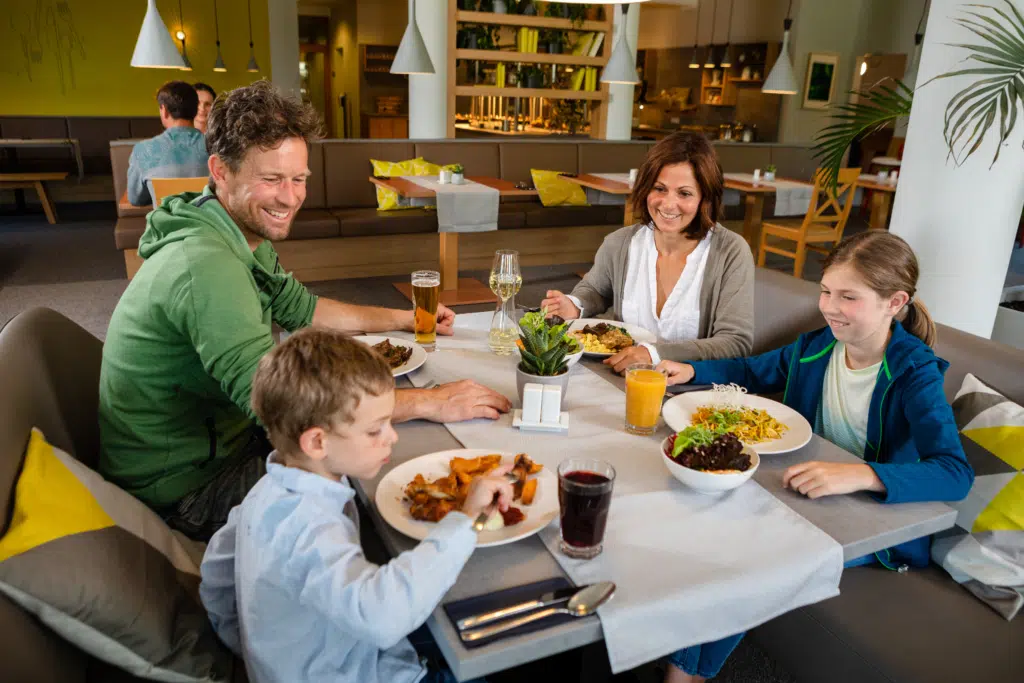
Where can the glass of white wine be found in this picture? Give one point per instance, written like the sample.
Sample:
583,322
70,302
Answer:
505,282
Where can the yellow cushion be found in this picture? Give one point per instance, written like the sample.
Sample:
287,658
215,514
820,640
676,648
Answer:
388,200
555,190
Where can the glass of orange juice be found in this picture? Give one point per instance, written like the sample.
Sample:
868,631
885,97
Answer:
645,389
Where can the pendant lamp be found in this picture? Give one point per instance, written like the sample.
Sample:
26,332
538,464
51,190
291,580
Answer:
412,56
709,59
780,81
726,60
181,36
621,66
694,62
252,66
219,64
154,48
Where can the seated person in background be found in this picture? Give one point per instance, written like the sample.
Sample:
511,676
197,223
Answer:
178,152
870,383
206,96
678,272
176,426
285,582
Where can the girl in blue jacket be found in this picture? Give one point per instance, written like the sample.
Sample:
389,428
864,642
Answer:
870,383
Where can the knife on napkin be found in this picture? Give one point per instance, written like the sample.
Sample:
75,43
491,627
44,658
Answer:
543,600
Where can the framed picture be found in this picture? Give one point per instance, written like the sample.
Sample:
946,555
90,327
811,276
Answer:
820,84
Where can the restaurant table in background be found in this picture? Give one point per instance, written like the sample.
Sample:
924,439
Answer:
754,192
454,290
857,522
606,188
881,200
49,142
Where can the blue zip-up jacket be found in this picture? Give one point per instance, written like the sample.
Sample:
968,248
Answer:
912,444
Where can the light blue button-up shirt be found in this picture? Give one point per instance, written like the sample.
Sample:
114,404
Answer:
178,152
288,589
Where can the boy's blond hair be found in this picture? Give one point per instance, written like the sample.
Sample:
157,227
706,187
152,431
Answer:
316,378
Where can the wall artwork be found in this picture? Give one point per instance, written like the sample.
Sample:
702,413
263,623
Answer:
820,84
46,38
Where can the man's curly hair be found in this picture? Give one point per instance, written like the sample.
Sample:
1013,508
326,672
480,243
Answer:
257,115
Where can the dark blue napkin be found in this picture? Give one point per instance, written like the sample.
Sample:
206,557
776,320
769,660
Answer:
467,607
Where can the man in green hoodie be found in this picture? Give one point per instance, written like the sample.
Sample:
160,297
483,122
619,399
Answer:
176,426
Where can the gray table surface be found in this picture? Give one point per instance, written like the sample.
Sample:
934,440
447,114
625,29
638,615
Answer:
858,522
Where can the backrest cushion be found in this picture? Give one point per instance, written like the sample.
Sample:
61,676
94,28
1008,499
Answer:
517,158
741,158
316,196
477,157
104,572
120,154
985,551
347,169
611,157
94,135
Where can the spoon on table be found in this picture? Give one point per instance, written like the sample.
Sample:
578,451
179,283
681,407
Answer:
584,603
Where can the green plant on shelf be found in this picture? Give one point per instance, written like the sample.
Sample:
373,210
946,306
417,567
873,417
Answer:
568,116
477,37
575,12
554,39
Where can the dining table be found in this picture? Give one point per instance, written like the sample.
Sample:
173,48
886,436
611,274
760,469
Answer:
23,143
881,200
612,185
455,291
856,522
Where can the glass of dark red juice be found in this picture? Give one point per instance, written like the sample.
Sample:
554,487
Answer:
584,496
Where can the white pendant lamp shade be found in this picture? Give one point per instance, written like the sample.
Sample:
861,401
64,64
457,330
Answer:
219,64
621,66
412,56
694,62
252,67
155,48
780,81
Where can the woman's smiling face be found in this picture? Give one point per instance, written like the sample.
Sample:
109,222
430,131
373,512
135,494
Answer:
674,200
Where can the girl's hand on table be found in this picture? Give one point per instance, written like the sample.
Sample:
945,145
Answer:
677,373
817,479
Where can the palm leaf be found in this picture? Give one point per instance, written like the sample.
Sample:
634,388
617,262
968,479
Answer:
973,111
874,110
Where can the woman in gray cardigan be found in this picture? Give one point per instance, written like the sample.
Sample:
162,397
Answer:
678,272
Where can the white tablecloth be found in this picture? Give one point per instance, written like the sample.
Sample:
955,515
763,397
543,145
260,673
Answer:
469,207
791,198
689,568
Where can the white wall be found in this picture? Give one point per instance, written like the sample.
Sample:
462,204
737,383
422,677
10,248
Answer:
283,17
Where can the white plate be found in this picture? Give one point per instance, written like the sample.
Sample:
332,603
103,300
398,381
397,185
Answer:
678,410
639,334
395,511
418,357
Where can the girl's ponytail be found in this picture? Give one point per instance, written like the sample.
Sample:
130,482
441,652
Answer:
916,320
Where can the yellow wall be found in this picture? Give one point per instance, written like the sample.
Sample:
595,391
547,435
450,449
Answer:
77,63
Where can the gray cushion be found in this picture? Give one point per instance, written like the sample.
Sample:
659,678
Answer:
563,216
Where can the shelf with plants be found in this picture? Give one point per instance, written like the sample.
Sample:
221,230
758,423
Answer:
479,44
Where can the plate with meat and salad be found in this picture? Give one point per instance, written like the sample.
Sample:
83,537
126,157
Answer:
402,355
604,338
764,425
418,493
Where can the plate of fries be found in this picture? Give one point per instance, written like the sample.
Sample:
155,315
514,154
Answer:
417,494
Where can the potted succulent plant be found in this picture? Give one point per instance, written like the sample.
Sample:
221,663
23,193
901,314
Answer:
457,174
532,77
553,39
769,173
545,345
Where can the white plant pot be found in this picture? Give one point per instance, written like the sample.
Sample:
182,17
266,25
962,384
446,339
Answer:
1009,326
458,178
523,378
500,7
769,176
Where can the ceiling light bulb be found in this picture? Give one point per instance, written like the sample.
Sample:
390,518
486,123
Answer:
863,67
180,35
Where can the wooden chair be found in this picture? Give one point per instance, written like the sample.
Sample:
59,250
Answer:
163,187
824,223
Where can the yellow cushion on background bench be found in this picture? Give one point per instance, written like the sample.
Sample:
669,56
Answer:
555,190
388,200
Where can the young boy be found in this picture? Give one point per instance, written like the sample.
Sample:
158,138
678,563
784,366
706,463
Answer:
285,581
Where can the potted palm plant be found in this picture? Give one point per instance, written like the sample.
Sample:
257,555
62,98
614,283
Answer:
544,347
969,115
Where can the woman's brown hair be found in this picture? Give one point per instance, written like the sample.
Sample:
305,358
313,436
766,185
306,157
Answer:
887,265
681,148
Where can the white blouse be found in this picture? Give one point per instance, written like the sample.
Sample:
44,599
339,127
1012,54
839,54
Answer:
680,316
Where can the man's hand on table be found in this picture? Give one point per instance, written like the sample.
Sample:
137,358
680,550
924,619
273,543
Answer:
630,355
454,402
445,321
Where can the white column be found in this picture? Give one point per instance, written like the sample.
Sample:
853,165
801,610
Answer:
428,94
620,96
960,220
283,18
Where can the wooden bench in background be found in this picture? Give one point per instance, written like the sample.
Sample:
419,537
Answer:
23,181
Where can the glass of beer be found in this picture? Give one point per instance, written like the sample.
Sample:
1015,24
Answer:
645,390
426,287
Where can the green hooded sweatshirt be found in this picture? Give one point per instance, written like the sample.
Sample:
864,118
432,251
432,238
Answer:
182,347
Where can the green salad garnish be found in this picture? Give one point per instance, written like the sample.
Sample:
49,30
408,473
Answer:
696,436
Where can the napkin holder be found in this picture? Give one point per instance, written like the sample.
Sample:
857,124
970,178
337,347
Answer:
542,410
